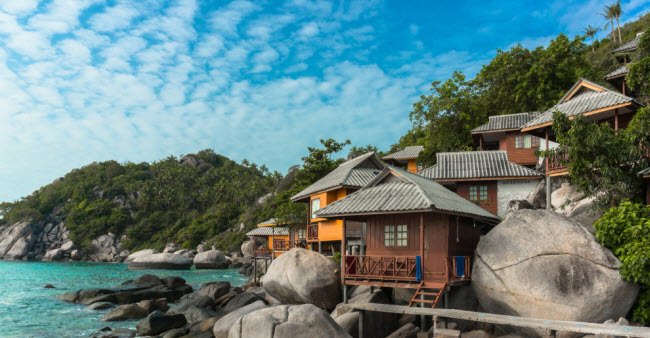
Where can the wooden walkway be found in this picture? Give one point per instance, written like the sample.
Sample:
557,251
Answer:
550,326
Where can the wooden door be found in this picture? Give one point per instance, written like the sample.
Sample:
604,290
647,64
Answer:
435,247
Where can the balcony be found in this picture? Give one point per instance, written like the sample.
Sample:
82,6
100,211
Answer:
312,232
459,268
262,251
556,163
393,268
281,245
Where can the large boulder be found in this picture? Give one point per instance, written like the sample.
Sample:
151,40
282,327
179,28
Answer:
140,253
214,290
223,325
248,249
53,255
584,212
158,322
125,312
538,263
566,194
20,249
171,248
164,261
302,276
68,246
12,234
287,321
213,259
538,197
240,301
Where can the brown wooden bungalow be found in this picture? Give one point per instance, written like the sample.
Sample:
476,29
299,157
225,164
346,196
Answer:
623,55
419,234
595,103
406,159
271,239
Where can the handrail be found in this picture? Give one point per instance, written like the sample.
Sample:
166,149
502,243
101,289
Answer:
281,244
381,267
452,266
312,232
555,161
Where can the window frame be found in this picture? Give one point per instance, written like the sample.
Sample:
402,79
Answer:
478,193
396,235
519,142
312,212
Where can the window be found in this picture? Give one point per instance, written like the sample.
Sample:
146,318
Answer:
535,142
478,193
526,142
396,235
302,233
315,205
519,142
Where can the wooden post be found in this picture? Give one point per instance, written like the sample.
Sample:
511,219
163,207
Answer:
272,242
361,315
423,318
254,270
320,247
616,119
480,142
624,86
345,289
548,178
547,159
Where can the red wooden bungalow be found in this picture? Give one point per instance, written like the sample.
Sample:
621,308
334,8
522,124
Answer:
419,234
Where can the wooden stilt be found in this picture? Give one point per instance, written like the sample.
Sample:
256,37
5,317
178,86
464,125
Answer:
361,322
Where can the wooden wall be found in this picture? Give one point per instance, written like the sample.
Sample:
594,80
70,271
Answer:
523,156
463,236
375,235
492,203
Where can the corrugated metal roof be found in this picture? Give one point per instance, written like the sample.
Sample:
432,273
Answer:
406,153
581,103
356,172
268,231
409,192
620,71
267,222
644,172
629,46
511,121
475,164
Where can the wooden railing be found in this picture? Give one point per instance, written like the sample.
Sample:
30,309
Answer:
459,270
262,251
281,245
300,243
312,232
555,162
381,267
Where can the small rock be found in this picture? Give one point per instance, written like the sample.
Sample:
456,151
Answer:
214,290
173,281
147,280
152,305
158,322
99,306
49,286
125,312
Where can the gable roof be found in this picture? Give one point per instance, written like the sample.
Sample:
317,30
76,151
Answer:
403,192
268,231
474,165
617,72
645,172
406,153
268,222
354,173
629,46
505,122
585,96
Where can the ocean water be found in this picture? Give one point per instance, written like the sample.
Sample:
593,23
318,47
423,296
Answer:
29,310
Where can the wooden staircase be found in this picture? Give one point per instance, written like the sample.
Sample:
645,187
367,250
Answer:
428,293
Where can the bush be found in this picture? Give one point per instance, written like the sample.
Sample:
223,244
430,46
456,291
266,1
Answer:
626,231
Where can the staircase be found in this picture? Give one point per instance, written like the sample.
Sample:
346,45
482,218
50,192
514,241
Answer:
428,293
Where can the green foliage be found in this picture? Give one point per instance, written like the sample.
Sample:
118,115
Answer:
626,231
638,77
604,163
153,204
358,151
337,258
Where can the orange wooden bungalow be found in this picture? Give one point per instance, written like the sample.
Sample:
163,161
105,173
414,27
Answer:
419,234
325,234
595,102
502,133
406,158
272,241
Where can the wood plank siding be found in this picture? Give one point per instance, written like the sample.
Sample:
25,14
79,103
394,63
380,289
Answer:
491,204
522,156
329,230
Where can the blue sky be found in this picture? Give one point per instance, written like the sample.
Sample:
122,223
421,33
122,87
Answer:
93,80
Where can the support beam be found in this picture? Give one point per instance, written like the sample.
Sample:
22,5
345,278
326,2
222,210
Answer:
320,247
547,159
361,320
549,206
616,119
343,247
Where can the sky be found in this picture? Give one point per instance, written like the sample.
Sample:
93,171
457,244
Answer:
95,80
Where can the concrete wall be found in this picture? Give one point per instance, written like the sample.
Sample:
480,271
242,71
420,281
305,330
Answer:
508,190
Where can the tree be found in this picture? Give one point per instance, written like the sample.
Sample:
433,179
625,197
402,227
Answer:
603,163
590,31
607,14
358,151
616,12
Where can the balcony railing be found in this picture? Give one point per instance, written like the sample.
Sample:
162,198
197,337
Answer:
555,162
459,267
262,251
381,267
281,245
300,243
312,232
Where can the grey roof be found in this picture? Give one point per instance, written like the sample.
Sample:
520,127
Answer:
475,164
619,71
356,172
629,46
644,172
511,121
406,193
268,231
267,222
406,153
581,103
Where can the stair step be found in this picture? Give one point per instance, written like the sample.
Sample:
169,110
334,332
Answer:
428,293
423,301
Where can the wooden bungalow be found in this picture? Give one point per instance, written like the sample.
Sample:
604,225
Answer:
645,175
419,234
406,159
624,55
325,234
502,132
595,102
486,178
272,240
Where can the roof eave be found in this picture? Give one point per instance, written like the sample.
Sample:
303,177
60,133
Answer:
301,198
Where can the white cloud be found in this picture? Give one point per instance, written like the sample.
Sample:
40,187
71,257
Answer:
227,19
413,28
113,18
61,16
309,30
18,7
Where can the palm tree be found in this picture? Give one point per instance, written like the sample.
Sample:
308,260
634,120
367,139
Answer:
616,12
607,14
591,32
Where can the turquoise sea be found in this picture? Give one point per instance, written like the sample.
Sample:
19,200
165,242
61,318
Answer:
29,310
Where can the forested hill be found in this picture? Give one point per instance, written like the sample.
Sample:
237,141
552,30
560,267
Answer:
515,81
188,200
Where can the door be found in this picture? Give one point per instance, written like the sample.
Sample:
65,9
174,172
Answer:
435,247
